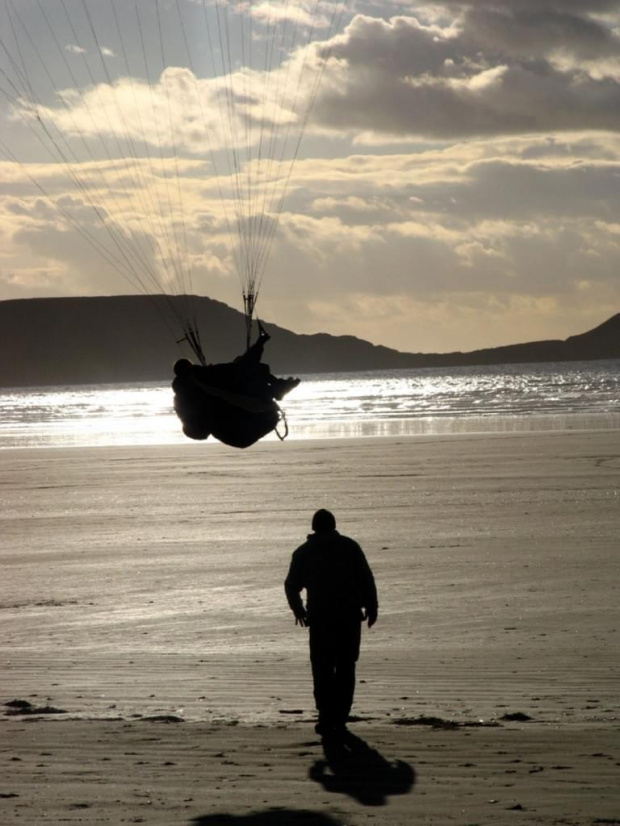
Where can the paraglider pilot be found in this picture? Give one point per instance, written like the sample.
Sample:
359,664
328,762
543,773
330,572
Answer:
236,401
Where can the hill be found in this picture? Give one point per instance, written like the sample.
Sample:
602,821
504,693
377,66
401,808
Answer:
52,341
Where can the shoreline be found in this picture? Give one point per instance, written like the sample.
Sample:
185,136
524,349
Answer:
346,431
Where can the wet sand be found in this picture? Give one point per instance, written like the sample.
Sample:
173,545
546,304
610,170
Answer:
142,595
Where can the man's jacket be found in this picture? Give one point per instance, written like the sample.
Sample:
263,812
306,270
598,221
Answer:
337,578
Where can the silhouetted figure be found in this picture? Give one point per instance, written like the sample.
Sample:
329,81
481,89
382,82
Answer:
236,402
340,594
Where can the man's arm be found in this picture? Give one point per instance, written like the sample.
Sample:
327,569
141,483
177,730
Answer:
293,586
369,590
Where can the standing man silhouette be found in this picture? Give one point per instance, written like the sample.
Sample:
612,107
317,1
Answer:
340,594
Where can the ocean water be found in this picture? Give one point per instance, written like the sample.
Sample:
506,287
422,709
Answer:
551,396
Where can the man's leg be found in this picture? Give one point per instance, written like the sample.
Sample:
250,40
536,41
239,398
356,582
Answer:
323,661
347,655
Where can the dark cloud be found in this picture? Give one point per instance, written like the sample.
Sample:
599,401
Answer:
518,191
520,100
507,68
537,31
550,147
579,6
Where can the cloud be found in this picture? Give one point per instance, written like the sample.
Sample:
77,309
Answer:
309,14
580,6
497,69
539,31
181,113
140,227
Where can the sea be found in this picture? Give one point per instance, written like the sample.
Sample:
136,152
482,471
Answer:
489,399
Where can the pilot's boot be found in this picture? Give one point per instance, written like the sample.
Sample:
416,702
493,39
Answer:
283,386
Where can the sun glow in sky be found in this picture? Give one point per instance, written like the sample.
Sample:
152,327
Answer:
457,185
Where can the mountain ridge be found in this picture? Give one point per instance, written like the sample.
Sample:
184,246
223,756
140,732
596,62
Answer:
107,339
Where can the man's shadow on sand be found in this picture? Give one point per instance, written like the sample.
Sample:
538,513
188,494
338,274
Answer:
352,767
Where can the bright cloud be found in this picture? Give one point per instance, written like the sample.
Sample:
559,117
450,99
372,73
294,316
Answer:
309,14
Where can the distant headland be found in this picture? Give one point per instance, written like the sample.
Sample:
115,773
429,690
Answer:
55,341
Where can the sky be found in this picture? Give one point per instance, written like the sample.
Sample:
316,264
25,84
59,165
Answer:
456,175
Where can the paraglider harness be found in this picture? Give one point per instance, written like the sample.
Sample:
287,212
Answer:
236,402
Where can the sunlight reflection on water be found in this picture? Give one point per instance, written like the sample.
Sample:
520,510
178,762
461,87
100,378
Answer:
581,395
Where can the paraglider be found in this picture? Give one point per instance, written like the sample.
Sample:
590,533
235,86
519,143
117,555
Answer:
237,403
175,128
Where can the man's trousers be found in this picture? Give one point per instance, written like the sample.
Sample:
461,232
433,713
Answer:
334,651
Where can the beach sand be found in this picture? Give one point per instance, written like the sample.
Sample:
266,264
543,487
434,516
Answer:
142,596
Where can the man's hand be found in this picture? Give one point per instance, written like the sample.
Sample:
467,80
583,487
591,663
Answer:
301,618
371,616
